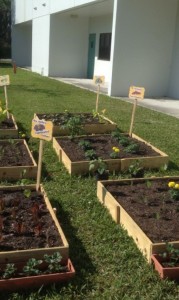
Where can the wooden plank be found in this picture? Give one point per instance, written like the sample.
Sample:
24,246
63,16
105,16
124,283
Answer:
23,255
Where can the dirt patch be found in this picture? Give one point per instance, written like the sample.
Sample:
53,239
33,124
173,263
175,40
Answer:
25,222
14,153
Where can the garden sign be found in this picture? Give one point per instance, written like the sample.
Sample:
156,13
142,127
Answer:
135,93
98,80
4,81
42,130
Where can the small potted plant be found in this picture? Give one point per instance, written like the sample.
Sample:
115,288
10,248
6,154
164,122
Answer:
167,263
99,168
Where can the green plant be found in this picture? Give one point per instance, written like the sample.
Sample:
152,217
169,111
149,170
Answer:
85,145
135,169
99,165
74,125
132,148
115,152
90,154
9,271
53,262
27,193
31,267
174,190
171,255
116,134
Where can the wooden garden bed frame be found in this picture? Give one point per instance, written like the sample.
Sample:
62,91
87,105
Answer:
16,172
11,132
99,128
117,165
120,216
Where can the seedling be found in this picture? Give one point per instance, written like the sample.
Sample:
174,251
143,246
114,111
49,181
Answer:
90,154
27,193
116,134
9,271
85,145
74,125
53,262
171,255
31,268
99,165
135,169
132,148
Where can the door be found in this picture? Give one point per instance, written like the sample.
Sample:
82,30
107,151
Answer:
91,55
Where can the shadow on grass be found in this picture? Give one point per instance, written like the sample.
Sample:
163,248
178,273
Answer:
173,166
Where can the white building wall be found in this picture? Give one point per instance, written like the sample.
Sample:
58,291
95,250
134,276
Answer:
40,8
101,25
40,45
68,46
173,90
56,6
143,38
23,10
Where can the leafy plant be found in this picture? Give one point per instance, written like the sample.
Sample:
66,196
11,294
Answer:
132,148
31,268
90,154
171,255
53,262
116,134
99,165
174,190
27,193
85,145
74,125
135,169
115,152
9,271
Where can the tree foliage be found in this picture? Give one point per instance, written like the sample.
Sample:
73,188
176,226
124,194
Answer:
5,28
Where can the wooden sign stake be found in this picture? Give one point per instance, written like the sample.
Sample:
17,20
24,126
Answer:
132,118
39,170
6,98
97,98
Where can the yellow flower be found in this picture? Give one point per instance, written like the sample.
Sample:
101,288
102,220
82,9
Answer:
113,148
171,184
116,150
176,186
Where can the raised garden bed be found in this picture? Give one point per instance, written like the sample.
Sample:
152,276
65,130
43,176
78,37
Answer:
8,128
89,123
16,160
73,156
29,227
144,207
29,230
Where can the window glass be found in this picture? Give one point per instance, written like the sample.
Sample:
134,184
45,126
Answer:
104,46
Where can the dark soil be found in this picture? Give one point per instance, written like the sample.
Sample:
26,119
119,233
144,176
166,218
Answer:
25,222
7,124
102,144
60,119
150,206
14,153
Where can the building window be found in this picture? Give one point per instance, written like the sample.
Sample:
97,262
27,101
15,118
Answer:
104,46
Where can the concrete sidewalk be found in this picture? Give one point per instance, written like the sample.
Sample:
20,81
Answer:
165,105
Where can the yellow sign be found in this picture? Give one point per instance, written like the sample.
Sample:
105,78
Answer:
42,129
136,92
98,79
4,80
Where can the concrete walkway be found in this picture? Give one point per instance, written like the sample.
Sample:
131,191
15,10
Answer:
166,106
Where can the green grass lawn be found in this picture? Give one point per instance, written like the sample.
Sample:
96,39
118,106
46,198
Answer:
108,264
